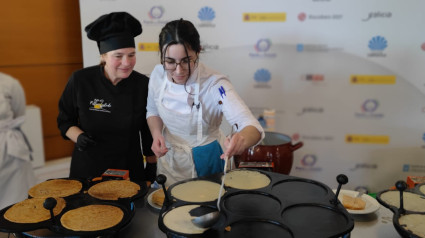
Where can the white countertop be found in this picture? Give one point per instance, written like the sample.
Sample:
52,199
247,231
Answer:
378,224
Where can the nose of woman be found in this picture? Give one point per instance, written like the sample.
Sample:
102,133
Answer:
127,60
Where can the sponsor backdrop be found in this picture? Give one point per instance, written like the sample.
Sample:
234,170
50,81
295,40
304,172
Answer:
347,78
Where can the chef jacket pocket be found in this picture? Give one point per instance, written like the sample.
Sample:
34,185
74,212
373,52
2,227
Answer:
207,159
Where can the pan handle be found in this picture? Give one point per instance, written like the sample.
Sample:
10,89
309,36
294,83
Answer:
297,146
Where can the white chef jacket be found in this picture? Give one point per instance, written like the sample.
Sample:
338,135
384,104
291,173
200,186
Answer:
16,172
217,97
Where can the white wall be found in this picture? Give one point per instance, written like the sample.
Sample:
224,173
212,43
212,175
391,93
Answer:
345,77
32,128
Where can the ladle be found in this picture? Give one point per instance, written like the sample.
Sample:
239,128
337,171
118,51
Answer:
161,179
49,204
211,217
401,186
341,179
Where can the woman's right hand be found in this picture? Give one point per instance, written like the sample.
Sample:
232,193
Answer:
158,146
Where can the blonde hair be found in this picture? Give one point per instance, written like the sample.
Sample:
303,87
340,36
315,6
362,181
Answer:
102,61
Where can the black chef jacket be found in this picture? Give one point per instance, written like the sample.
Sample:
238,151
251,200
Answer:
114,116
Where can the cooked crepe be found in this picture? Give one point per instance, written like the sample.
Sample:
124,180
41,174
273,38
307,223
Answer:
353,203
245,179
196,191
158,197
414,223
114,189
411,201
55,188
92,218
32,211
179,220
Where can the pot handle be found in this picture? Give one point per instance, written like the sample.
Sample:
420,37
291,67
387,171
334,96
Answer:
297,146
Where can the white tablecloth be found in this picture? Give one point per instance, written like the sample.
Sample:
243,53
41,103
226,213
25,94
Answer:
378,224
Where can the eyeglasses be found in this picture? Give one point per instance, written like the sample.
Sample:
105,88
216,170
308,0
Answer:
170,64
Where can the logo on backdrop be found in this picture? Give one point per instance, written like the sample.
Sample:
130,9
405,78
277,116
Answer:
373,79
423,46
262,78
206,15
302,16
207,47
264,16
262,48
423,138
304,137
313,78
316,48
413,168
367,139
377,45
310,110
374,15
364,166
263,45
155,14
308,163
369,110
148,46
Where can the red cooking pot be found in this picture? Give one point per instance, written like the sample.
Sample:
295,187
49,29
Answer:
276,148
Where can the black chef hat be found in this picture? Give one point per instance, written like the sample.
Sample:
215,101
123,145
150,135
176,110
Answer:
113,31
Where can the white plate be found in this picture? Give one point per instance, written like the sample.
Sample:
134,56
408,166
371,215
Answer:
371,204
151,203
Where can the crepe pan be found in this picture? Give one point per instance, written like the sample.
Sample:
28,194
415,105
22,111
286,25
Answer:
279,209
74,201
12,227
399,211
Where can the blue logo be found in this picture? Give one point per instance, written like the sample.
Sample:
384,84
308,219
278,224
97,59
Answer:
300,47
222,91
263,45
156,12
423,137
262,76
406,168
378,43
206,14
370,105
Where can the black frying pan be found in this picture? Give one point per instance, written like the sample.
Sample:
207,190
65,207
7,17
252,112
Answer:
284,208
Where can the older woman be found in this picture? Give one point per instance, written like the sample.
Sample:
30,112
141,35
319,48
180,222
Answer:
103,107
